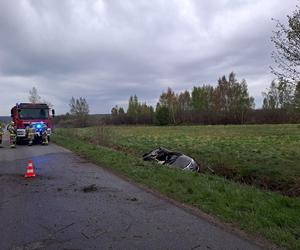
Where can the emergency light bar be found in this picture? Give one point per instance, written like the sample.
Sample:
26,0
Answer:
39,126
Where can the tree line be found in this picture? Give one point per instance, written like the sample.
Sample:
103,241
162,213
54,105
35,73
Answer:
228,102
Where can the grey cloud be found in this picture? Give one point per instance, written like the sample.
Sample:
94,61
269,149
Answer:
107,50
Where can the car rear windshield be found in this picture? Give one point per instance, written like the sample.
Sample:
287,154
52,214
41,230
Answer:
29,114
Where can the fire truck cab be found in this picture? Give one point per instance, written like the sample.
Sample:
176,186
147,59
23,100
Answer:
37,114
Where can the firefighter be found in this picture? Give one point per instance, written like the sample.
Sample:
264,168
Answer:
1,134
30,131
44,135
12,134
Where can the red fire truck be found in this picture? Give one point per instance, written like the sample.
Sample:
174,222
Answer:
37,114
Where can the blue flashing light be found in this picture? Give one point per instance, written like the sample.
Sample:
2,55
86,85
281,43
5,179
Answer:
38,126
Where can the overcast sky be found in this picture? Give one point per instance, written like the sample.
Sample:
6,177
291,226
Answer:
107,50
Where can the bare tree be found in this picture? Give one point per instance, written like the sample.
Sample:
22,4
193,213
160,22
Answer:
34,96
286,39
79,108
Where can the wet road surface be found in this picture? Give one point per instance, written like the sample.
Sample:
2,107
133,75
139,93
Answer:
56,210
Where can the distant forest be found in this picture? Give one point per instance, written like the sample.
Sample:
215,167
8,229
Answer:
228,102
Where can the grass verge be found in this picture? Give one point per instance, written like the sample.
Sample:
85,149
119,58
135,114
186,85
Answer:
274,216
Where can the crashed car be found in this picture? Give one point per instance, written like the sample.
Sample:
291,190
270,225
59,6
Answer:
174,159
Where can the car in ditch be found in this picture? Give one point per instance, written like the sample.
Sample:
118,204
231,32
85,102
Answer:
174,159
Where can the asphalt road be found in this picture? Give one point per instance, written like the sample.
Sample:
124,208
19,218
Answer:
55,210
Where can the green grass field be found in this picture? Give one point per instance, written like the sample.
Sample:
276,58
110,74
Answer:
265,155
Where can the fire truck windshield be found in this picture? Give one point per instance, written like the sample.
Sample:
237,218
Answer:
28,114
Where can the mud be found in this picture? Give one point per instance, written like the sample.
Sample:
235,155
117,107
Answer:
90,188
